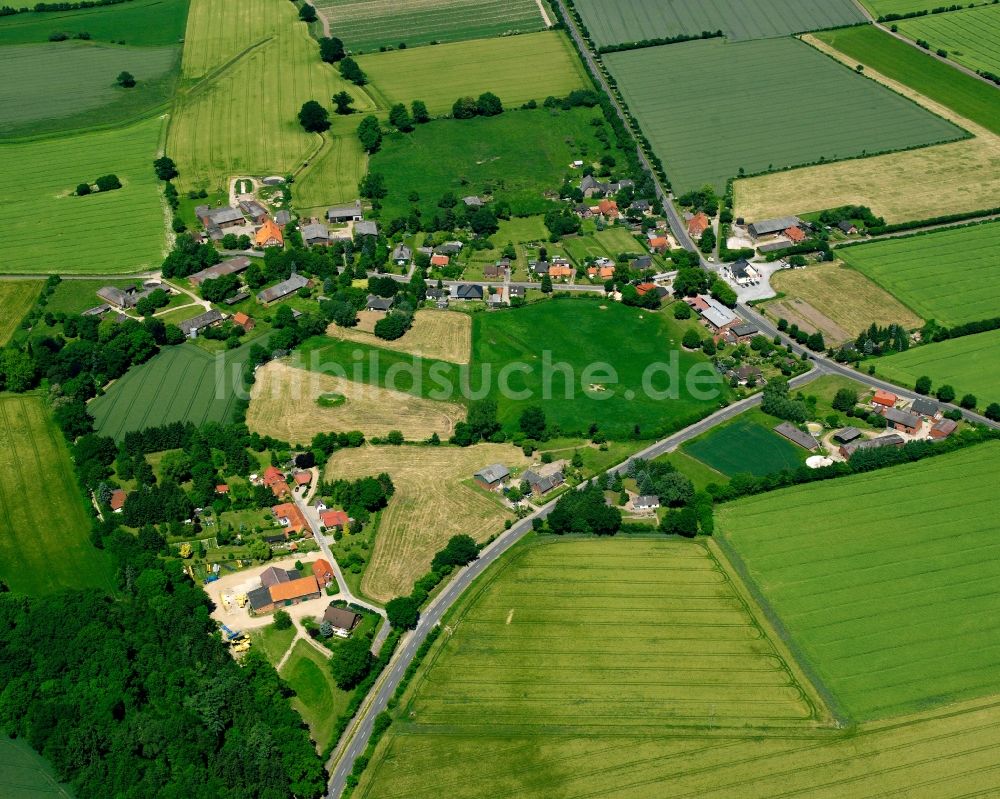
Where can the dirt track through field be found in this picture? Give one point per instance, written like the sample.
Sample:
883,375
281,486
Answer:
283,404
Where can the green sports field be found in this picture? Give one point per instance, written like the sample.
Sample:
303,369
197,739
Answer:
971,36
44,522
884,581
50,230
183,383
636,20
366,25
139,23
55,86
440,75
746,445
970,364
910,269
517,156
16,299
972,98
707,137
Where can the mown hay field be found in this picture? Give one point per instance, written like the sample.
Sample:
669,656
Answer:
885,581
51,230
242,118
910,269
965,175
947,754
442,335
971,36
44,522
366,25
58,85
183,383
283,404
16,299
747,445
636,20
440,75
847,115
850,302
434,500
970,364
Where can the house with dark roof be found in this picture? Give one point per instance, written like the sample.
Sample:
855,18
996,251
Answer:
796,436
231,266
467,291
516,291
943,428
642,206
744,331
273,575
492,477
282,218
642,263
846,435
646,502
402,255
345,213
744,272
745,374
543,483
190,327
315,234
376,303
891,440
847,227
342,620
927,408
903,421
497,269
282,289
769,227
365,228
254,210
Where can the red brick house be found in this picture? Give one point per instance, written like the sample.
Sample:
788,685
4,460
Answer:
334,519
274,479
290,517
244,321
322,571
795,235
697,225
440,260
117,501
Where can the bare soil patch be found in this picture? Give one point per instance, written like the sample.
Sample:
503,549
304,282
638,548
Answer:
445,335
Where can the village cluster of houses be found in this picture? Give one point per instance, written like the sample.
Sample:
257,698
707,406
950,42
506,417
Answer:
921,419
541,480
721,321
250,218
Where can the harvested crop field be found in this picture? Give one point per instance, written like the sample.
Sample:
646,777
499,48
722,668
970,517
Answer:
636,20
850,301
971,36
283,404
747,445
371,24
965,175
439,75
945,754
16,299
970,364
847,115
434,500
911,266
442,335
894,609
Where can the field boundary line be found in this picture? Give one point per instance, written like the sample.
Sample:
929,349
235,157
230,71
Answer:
740,576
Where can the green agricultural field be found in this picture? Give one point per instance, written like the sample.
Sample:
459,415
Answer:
120,231
751,131
884,582
24,774
910,269
241,119
16,299
440,75
367,25
949,754
883,7
746,445
636,20
333,175
181,384
970,364
44,541
139,23
317,698
61,85
517,156
970,97
971,36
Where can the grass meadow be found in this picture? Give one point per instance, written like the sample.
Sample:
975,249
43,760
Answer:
366,25
24,774
970,364
16,299
945,754
516,156
317,698
59,85
884,582
183,383
50,230
847,115
635,20
241,117
44,522
140,23
746,445
971,36
910,267
883,7
970,97
440,75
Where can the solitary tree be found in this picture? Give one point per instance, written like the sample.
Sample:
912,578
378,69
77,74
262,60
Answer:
532,422
946,393
419,110
108,183
489,105
126,80
165,168
845,399
691,339
968,402
281,620
313,117
342,100
83,189
331,49
370,133
546,284
464,108
399,118
923,385
307,13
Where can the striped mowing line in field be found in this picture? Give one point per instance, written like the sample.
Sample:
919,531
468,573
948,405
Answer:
971,36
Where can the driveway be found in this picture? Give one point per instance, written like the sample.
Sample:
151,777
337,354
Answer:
763,290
